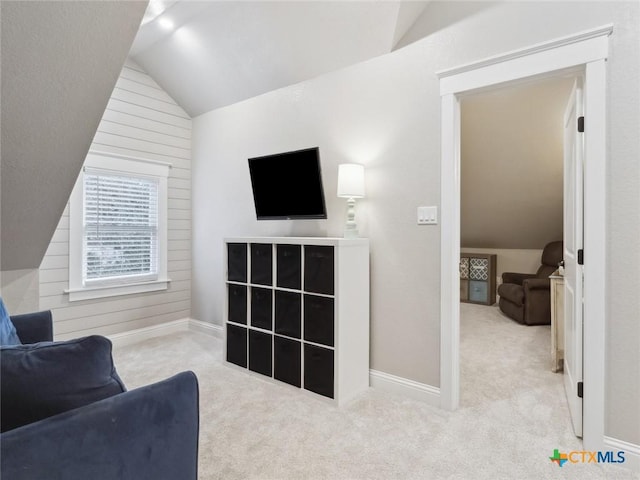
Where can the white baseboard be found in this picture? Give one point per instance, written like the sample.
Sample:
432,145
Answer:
407,388
206,328
141,334
631,452
167,328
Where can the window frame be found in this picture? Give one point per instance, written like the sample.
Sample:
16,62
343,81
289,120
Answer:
126,166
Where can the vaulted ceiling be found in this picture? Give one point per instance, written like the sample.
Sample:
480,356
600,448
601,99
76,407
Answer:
60,61
210,54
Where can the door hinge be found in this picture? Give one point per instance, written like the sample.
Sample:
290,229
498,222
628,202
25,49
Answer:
580,388
581,257
581,124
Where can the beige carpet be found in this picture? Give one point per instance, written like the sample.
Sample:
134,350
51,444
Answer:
512,416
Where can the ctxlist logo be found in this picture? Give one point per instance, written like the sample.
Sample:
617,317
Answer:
559,458
586,457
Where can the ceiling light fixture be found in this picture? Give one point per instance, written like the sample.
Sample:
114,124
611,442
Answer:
155,9
165,23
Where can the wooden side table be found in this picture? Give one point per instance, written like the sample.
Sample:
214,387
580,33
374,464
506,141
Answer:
557,321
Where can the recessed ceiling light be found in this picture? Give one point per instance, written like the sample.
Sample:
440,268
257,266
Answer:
155,9
166,23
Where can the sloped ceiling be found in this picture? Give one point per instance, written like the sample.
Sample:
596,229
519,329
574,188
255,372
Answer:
512,165
60,61
210,54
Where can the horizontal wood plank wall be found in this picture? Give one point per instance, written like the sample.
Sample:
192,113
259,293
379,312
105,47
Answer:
141,120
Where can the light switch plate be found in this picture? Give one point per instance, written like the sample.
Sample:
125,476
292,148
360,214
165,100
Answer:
427,215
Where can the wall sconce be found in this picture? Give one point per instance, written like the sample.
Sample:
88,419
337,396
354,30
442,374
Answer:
351,186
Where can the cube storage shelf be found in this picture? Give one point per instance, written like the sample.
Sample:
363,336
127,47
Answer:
297,311
478,278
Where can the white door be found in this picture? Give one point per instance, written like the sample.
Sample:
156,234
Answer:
573,238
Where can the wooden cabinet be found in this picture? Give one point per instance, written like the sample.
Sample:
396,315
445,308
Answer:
297,311
557,322
478,278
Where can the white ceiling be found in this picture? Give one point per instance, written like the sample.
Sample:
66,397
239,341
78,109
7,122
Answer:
222,52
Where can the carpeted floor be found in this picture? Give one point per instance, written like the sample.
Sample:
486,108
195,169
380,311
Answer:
513,415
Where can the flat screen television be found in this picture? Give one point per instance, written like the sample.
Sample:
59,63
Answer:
288,186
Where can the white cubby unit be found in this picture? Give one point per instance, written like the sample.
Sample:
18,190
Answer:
297,311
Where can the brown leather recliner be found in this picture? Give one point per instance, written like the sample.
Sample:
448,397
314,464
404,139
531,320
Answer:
525,297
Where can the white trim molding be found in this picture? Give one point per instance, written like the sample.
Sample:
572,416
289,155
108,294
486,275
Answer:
404,387
79,289
206,328
167,328
631,452
559,54
147,333
584,53
89,293
450,253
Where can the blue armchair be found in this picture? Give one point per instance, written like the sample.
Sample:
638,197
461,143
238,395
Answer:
147,433
34,327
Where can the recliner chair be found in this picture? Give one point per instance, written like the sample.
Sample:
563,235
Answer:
526,297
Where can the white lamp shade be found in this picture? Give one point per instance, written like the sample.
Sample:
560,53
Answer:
350,180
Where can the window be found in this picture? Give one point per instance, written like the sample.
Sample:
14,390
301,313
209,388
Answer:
120,241
117,232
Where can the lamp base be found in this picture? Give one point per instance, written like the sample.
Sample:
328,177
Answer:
350,232
350,228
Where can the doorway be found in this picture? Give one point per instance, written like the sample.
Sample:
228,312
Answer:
511,206
586,52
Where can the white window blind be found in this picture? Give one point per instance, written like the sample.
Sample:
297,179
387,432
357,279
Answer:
120,240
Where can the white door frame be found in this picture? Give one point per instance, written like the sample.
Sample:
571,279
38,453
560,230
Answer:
587,52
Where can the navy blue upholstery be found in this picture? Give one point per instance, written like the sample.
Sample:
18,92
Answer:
34,327
43,379
147,433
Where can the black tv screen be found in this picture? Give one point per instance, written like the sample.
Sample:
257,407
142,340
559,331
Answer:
288,185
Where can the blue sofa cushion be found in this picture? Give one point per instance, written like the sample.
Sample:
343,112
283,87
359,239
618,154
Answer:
8,335
47,378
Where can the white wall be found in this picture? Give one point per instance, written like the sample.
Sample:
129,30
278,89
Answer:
512,165
141,120
358,116
511,259
385,113
19,290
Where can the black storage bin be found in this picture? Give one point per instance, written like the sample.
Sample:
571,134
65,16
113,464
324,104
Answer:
237,262
261,264
318,269
318,370
237,345
287,358
237,303
318,319
260,352
288,317
261,302
289,266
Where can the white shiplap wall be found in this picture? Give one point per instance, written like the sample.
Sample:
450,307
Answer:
141,120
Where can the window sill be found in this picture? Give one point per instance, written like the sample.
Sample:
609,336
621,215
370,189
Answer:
77,294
